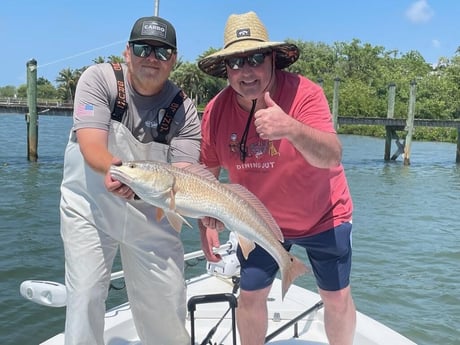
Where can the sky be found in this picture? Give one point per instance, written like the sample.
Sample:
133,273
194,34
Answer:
62,34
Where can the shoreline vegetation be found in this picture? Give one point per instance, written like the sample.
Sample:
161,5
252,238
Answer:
359,80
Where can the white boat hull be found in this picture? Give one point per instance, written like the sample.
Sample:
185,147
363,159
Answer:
120,330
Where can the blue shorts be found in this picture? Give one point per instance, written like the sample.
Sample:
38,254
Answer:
329,254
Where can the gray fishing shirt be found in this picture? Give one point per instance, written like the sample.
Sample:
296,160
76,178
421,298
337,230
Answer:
95,101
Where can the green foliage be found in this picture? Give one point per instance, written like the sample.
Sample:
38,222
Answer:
8,91
46,90
435,134
359,99
371,131
22,91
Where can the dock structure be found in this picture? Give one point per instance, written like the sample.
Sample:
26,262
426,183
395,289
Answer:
9,105
393,125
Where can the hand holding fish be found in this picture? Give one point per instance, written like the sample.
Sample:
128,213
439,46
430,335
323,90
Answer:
209,235
209,239
115,186
213,223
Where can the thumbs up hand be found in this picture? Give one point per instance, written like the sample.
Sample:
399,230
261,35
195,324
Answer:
272,123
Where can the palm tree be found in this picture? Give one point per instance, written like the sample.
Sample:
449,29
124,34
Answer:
188,77
67,83
116,58
99,59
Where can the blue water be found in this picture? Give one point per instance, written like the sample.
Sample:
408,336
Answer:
406,264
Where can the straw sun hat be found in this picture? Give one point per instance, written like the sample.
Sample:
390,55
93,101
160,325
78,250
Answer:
246,33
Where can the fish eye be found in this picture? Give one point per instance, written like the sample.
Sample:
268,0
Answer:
131,165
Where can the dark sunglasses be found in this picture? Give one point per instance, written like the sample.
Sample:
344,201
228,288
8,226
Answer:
144,50
253,60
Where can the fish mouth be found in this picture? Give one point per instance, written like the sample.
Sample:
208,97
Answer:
121,176
118,174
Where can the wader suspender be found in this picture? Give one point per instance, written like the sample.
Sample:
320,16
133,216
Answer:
120,105
120,102
165,125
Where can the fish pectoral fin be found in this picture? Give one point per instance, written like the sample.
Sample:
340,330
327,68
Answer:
247,246
159,214
176,220
172,203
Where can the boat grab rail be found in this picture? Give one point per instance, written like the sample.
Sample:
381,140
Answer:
294,322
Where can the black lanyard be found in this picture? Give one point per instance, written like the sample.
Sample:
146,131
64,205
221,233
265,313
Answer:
244,138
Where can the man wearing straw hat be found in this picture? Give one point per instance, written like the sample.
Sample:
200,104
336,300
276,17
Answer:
272,131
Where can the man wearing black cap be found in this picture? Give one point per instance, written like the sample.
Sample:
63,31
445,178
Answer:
126,112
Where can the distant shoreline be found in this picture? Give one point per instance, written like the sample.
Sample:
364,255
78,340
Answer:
41,110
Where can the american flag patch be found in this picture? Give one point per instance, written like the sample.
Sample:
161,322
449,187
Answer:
84,110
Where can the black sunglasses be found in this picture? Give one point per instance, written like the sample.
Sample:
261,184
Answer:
253,60
144,50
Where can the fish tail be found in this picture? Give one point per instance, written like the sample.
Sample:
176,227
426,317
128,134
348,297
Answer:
291,272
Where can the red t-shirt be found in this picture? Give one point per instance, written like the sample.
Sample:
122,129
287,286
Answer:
304,200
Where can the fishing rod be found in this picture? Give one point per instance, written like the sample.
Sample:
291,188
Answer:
53,294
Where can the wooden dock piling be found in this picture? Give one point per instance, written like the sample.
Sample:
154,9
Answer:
390,130
410,123
335,104
32,115
457,156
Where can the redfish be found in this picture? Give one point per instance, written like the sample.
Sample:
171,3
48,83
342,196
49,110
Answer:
195,192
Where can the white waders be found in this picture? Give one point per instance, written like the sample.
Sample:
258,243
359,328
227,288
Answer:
94,223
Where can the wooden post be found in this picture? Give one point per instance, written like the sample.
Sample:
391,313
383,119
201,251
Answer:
335,104
410,123
457,157
390,114
32,115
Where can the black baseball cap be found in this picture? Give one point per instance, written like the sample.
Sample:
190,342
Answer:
154,29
